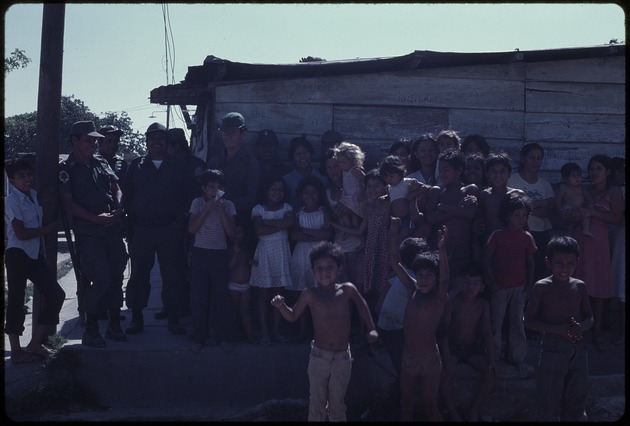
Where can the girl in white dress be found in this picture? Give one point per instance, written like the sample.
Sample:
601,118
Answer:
311,225
272,219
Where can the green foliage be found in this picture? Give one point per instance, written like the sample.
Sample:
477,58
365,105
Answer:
312,59
20,130
16,60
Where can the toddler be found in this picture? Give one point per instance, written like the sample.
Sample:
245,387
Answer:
571,195
350,157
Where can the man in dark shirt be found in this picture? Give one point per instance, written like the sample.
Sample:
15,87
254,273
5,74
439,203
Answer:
158,190
108,149
90,194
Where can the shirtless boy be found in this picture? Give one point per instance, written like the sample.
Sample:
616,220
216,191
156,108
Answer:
467,338
455,205
425,305
559,307
572,196
330,362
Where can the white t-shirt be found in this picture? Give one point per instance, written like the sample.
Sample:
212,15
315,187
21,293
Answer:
541,190
18,206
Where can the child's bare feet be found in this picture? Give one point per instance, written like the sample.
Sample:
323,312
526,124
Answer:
39,350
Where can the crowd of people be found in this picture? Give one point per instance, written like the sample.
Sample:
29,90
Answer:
446,253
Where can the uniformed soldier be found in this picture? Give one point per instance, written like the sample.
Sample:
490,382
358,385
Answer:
108,149
159,189
90,193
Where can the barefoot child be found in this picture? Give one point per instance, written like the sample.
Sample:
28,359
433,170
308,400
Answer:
425,305
330,362
240,256
24,259
559,307
571,195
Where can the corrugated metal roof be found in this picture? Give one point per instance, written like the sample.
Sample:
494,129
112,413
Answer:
216,71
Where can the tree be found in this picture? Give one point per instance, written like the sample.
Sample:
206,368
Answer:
19,130
312,59
16,60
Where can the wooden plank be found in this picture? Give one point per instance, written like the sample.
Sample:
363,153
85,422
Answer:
489,123
589,98
575,127
388,122
590,70
382,89
512,71
281,117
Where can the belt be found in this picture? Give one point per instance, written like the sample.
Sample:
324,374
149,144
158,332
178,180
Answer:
153,221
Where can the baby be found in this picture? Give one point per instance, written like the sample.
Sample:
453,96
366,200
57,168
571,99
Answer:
571,194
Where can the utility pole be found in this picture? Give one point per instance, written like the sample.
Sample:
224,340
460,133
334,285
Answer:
47,133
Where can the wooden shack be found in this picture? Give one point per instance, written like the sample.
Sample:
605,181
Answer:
571,101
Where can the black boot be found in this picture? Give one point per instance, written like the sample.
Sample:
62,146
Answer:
137,322
114,331
92,336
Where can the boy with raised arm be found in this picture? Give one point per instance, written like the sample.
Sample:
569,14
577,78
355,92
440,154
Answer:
427,295
330,362
559,307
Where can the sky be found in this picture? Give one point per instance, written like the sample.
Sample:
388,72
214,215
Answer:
115,54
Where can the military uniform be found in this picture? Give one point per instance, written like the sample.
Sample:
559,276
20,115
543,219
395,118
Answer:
101,250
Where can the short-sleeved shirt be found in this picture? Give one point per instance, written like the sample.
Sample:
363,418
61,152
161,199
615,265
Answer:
511,248
541,190
393,311
17,205
211,235
241,178
90,186
400,190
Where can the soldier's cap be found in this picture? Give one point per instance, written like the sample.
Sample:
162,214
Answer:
267,136
85,128
231,121
155,127
110,128
176,135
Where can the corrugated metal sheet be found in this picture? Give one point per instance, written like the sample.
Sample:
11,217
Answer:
216,71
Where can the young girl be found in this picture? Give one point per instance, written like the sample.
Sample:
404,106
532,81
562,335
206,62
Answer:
510,272
272,219
240,265
350,159
572,195
392,170
376,223
311,225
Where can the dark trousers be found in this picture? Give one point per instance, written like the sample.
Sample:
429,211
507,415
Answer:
20,268
103,260
147,241
210,297
561,380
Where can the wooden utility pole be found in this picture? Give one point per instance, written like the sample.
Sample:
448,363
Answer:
47,133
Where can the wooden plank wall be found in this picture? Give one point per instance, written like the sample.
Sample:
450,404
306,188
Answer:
573,108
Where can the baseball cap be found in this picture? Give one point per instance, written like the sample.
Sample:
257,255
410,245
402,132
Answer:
85,128
176,135
155,127
267,136
110,128
232,120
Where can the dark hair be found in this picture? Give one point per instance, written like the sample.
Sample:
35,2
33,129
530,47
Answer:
495,158
327,155
562,244
211,175
400,143
392,164
526,149
266,183
472,269
300,141
410,248
478,140
325,249
16,165
315,183
414,163
475,156
605,161
617,163
454,157
374,174
510,203
568,168
450,134
425,261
